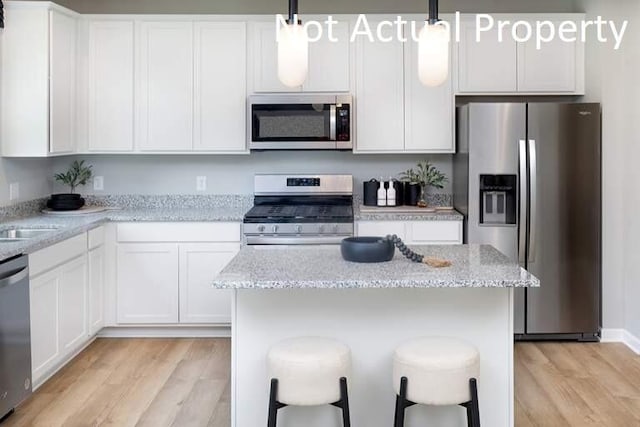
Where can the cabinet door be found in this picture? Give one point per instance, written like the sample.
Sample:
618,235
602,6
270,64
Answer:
62,81
45,335
165,86
111,86
487,66
329,62
429,111
552,68
199,264
379,96
264,53
220,86
73,304
147,283
96,289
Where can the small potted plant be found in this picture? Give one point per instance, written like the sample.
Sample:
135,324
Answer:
425,176
77,175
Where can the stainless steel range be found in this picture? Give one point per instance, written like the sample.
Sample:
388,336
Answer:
300,210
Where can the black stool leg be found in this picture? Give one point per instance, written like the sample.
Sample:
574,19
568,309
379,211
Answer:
274,405
401,403
343,403
344,396
475,406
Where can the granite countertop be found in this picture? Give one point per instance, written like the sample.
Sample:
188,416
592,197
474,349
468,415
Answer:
473,266
69,226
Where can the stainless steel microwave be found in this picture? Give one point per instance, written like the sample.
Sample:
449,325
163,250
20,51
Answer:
300,122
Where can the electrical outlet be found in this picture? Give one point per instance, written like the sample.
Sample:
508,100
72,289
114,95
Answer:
98,183
201,183
14,191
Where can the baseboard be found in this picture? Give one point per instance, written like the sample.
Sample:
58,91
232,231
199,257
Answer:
623,336
611,335
165,332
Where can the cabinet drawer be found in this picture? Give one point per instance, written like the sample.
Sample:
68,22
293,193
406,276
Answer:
48,258
179,232
96,237
382,228
435,232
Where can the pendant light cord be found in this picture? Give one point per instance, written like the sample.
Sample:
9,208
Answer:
433,11
293,11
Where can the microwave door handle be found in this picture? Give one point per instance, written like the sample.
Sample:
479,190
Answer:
533,203
522,220
332,122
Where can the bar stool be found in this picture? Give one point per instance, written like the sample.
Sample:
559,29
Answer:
309,371
436,371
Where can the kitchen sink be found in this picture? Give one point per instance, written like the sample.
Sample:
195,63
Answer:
18,234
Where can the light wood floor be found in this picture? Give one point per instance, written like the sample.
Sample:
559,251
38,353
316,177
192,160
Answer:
185,382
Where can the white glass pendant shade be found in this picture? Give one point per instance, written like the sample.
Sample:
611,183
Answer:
433,54
293,55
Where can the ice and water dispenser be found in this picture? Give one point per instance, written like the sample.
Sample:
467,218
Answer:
498,199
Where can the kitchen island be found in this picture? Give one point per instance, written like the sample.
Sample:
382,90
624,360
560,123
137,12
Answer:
282,292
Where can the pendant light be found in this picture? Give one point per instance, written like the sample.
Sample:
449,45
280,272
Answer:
433,50
293,50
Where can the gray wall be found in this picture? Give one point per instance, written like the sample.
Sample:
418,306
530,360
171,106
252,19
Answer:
315,6
612,80
167,174
33,176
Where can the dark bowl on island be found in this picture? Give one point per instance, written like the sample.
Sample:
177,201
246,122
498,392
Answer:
367,249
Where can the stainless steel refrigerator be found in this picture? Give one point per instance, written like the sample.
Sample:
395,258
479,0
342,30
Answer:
527,178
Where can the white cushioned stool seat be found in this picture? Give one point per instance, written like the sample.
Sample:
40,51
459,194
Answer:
438,370
308,370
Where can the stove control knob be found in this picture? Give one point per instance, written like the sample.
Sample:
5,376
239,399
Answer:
274,229
298,228
260,228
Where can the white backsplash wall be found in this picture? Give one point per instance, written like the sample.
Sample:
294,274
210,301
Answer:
172,174
34,178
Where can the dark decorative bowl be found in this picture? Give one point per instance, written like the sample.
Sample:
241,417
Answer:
367,249
65,202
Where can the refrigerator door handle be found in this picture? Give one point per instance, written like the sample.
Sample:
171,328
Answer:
522,221
533,197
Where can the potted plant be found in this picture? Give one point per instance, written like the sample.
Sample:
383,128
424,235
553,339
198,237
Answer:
426,175
77,175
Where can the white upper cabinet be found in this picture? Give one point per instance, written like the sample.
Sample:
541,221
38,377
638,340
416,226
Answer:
62,83
429,111
329,62
487,65
165,86
110,84
494,67
220,86
38,80
396,113
379,96
557,67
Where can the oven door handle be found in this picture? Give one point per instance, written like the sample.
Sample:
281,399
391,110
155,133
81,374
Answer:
14,277
332,122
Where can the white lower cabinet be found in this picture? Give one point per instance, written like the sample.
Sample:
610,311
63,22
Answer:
199,263
58,316
165,272
415,232
147,277
97,272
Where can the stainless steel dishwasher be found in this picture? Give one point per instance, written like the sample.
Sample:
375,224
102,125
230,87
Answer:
15,334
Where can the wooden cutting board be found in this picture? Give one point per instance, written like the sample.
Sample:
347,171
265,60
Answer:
402,209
